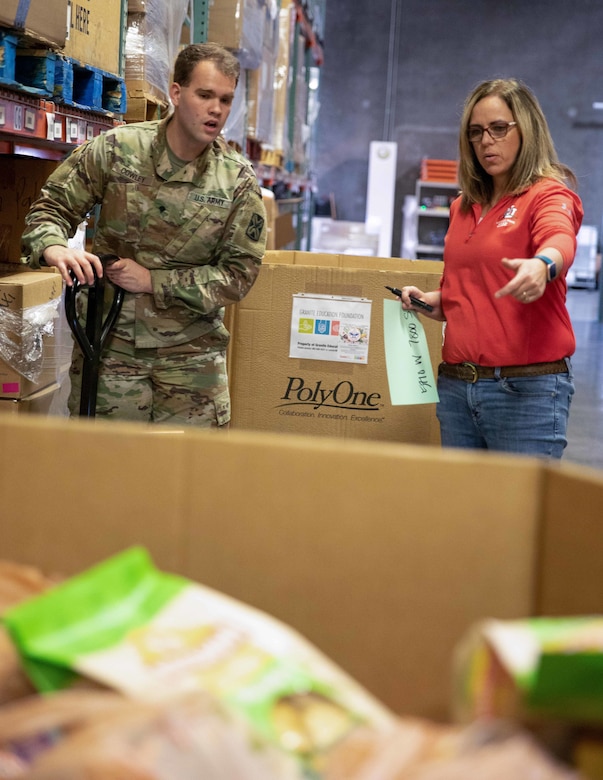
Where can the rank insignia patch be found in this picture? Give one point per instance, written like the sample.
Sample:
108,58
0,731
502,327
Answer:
255,227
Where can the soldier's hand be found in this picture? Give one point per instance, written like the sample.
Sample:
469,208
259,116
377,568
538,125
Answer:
82,263
129,275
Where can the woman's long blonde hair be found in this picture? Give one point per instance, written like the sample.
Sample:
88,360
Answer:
536,158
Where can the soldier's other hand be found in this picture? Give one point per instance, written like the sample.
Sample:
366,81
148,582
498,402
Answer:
129,275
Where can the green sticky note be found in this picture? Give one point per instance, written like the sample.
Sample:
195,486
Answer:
409,372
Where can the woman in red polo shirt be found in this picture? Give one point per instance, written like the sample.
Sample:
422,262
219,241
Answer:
506,380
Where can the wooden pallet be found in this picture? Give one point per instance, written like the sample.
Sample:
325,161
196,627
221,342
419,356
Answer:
145,101
84,86
50,75
30,70
145,108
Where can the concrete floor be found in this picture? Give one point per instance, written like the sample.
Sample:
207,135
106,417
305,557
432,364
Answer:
585,432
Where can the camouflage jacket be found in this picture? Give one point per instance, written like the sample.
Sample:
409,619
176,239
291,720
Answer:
201,232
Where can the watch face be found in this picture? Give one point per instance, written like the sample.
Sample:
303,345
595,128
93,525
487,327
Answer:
551,268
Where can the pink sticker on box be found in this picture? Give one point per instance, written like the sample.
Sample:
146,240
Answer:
10,387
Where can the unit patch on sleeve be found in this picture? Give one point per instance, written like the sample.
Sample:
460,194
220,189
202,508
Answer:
255,227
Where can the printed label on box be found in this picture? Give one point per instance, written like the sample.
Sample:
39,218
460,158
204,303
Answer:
329,327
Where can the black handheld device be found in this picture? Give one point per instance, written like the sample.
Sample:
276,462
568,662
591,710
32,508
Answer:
415,301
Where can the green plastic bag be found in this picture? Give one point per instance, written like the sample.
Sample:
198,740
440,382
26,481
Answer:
149,635
89,612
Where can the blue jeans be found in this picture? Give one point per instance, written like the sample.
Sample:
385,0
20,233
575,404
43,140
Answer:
526,415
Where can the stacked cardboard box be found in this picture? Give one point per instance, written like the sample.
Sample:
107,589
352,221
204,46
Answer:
272,391
95,32
88,31
43,21
41,402
33,345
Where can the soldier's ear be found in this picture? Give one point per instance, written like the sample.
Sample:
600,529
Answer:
175,92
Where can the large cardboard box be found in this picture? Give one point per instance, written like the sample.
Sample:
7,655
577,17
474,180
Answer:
21,180
381,554
40,402
40,20
94,33
30,354
274,392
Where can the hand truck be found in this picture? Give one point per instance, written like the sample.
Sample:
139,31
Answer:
92,338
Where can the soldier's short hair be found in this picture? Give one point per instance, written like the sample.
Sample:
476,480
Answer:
191,55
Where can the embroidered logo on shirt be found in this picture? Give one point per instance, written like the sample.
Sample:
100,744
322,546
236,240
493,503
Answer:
255,227
507,218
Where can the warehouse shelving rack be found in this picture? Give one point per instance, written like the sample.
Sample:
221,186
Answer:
296,178
35,122
433,216
42,128
196,20
276,169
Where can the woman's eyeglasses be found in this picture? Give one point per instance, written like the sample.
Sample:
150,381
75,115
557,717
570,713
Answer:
496,131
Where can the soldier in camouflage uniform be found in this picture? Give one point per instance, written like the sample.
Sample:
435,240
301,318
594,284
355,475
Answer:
184,214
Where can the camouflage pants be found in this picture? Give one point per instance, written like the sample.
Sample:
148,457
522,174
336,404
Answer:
183,385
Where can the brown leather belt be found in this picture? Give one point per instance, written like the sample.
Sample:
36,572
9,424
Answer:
469,372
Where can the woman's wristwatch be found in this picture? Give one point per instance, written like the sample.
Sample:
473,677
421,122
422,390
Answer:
551,268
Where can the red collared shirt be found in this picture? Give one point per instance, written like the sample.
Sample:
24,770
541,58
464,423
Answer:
493,331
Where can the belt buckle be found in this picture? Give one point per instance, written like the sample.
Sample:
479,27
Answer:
474,375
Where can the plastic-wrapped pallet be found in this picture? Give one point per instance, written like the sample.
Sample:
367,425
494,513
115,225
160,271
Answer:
235,127
152,39
239,26
280,147
261,81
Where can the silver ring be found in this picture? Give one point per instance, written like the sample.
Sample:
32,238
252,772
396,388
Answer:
525,295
